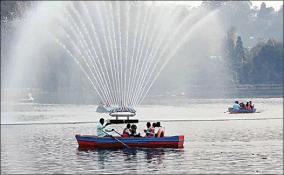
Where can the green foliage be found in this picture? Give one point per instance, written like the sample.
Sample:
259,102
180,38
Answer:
213,4
268,64
262,64
13,9
264,12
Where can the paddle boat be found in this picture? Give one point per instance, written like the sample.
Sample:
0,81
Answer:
94,142
240,111
122,115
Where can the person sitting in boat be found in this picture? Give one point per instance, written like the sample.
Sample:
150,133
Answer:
101,130
251,106
236,106
247,107
242,105
152,129
126,131
133,132
161,130
148,130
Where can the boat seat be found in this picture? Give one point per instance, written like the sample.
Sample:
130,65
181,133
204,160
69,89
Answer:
121,121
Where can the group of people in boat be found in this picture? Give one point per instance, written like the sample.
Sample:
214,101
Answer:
242,105
130,131
154,130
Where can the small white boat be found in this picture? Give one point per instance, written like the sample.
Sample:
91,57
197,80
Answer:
104,109
30,99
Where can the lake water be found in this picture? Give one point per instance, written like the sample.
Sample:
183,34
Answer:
40,138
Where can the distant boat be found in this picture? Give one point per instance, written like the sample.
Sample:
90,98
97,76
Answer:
30,99
104,109
232,111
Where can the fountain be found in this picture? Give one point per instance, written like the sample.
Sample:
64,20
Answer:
121,47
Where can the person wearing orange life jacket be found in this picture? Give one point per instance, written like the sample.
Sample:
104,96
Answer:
126,131
161,130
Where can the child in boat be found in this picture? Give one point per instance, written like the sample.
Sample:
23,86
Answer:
133,132
248,106
242,105
152,130
126,131
251,106
161,130
101,131
148,130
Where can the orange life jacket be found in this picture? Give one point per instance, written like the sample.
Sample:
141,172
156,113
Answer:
125,135
160,133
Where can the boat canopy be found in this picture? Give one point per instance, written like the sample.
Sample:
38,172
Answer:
123,109
122,115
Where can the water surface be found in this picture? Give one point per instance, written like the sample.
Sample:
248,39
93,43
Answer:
216,142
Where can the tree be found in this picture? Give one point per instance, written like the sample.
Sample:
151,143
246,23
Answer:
264,12
231,42
267,63
239,51
213,4
239,59
230,45
13,9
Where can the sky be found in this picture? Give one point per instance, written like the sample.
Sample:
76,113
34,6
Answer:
275,4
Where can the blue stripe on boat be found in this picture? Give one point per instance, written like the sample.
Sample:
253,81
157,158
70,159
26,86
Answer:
128,140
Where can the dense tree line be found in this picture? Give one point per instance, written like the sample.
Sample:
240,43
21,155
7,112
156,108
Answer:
261,64
13,9
252,23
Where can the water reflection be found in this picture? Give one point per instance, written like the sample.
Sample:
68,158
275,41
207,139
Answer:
156,155
152,156
129,154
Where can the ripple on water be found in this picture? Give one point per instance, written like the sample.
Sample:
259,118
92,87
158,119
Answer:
236,146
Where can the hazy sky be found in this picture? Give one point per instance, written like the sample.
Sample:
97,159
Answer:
275,4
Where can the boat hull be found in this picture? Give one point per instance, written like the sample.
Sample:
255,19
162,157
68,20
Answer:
232,111
95,142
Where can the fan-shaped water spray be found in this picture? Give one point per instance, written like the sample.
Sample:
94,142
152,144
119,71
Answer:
121,47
